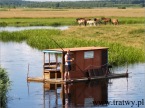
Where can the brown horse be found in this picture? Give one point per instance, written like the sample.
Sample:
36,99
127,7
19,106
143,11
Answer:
97,21
106,20
81,21
115,21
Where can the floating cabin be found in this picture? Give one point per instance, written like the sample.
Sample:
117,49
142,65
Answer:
89,63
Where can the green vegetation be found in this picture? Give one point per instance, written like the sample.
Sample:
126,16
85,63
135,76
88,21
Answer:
124,45
4,84
36,21
3,9
60,21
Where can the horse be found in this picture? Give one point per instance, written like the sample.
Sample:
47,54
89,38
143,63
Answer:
94,22
81,21
91,22
97,21
106,20
115,21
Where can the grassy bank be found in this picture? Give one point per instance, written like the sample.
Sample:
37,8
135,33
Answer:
125,42
36,21
4,84
60,21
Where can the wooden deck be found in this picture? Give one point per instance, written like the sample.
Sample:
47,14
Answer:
60,81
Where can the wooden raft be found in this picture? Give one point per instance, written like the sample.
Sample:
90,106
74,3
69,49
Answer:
59,80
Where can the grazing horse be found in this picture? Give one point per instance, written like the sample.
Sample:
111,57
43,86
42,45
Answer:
91,22
94,22
81,21
115,21
97,21
106,20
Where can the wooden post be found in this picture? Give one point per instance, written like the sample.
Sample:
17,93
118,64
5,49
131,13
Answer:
28,72
43,66
56,58
49,58
56,65
63,67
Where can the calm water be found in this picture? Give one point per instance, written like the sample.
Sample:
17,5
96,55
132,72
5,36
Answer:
11,29
118,92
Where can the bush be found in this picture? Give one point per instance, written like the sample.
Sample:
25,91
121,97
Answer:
122,7
3,24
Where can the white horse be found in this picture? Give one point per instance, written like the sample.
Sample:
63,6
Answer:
91,22
81,21
94,22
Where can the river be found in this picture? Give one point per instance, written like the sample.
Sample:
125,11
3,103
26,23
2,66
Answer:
12,29
120,93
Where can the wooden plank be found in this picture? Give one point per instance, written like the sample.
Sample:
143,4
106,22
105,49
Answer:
111,76
35,79
52,63
50,67
52,70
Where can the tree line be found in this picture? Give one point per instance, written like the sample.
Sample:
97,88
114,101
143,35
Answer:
72,4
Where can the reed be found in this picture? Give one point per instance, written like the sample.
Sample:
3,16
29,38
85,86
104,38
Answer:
37,21
4,85
13,36
131,20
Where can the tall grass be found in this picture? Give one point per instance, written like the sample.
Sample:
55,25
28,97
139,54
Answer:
131,20
4,84
37,21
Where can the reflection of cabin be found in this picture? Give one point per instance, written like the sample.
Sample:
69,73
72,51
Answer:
82,94
88,94
88,61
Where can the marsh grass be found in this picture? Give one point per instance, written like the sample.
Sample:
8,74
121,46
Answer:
13,36
4,85
131,20
37,21
3,24
137,31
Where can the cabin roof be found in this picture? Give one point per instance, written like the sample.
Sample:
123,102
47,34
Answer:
59,50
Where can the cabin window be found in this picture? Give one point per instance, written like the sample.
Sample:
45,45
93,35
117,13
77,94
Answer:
89,54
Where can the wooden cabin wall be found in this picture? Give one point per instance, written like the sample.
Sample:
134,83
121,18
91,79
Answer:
81,64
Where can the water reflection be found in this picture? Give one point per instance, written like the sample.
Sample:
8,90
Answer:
83,94
12,29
